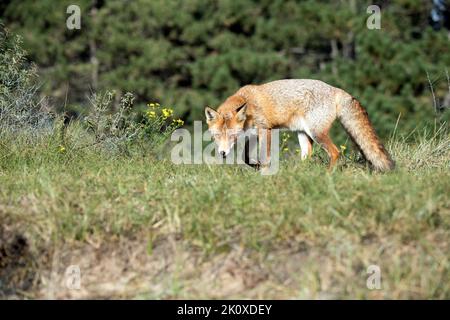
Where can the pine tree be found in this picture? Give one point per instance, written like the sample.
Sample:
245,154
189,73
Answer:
192,53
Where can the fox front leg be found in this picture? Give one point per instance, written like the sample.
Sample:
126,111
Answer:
251,152
305,143
264,141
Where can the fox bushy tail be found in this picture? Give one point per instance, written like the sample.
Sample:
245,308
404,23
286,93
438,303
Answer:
356,122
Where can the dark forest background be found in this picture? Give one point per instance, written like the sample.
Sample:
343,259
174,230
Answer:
190,53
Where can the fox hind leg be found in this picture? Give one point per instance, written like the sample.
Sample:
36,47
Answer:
305,145
325,141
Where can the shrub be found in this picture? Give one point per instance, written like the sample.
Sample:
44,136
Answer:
103,129
19,103
121,132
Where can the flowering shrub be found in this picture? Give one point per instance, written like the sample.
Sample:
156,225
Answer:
109,128
158,124
121,132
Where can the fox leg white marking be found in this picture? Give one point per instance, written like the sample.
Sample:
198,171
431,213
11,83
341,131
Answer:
305,127
305,145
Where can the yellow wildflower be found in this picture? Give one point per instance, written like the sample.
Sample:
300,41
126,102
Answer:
151,114
178,122
61,148
285,137
152,105
166,112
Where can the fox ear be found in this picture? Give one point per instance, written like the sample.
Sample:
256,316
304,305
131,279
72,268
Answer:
242,112
210,114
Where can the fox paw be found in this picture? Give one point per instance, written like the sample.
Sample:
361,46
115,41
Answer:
256,166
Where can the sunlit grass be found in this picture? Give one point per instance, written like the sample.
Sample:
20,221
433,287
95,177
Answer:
340,221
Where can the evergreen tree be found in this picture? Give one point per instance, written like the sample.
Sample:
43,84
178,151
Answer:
192,53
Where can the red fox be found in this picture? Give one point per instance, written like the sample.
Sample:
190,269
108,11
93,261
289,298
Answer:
306,106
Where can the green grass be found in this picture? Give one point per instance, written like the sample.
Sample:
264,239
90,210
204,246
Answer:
146,228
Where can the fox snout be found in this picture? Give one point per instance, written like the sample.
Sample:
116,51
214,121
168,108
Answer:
224,147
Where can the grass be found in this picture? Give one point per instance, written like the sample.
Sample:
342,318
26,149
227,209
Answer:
139,227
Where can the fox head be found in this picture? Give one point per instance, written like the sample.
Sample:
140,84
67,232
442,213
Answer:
225,128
